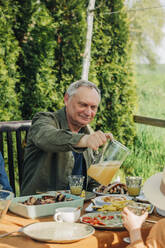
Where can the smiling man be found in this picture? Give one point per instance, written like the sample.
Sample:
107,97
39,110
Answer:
61,143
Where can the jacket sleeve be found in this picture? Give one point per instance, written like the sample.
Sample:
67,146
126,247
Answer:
46,134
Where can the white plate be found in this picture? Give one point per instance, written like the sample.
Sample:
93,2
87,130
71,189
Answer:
56,232
100,200
141,197
99,193
160,212
90,208
109,224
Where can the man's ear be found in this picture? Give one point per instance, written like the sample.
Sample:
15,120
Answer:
66,97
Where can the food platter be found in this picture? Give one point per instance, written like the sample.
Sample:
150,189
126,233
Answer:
103,220
102,200
117,206
55,232
19,207
113,188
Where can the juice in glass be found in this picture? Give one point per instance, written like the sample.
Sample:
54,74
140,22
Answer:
133,191
76,190
104,172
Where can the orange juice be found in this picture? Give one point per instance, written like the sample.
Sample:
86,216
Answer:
104,172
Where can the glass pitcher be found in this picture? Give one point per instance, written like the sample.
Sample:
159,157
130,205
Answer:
113,155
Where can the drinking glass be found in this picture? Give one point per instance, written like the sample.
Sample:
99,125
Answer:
5,200
133,185
113,155
76,184
138,210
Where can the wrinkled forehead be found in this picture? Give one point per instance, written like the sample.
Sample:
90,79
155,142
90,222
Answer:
89,93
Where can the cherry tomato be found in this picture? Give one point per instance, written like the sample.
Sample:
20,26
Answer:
110,217
103,217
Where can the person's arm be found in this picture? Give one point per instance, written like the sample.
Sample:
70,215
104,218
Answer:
46,134
155,238
133,224
94,140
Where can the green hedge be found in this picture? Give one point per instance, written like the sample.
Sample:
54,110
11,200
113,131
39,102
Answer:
9,52
47,40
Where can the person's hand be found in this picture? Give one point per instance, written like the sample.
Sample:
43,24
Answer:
109,136
94,140
132,221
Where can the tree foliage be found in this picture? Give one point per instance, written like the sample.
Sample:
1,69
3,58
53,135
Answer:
9,52
48,39
51,52
37,84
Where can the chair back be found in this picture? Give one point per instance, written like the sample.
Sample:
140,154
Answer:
12,142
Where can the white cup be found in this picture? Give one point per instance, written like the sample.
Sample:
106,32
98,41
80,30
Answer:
67,214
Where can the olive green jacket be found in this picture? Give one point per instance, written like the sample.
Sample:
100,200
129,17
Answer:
48,155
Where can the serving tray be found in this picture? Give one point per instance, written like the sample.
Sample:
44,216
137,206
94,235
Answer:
36,211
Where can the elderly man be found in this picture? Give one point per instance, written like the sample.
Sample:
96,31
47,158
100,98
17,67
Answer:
62,143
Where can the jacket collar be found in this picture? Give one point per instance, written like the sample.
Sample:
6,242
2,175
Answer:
62,118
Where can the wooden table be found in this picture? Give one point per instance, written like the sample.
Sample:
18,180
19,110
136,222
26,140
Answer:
100,239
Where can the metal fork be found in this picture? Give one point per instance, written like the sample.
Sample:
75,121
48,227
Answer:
8,233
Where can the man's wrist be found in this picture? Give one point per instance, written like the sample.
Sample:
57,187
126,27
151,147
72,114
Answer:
82,142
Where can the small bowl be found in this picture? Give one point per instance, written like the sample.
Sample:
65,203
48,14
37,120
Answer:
5,200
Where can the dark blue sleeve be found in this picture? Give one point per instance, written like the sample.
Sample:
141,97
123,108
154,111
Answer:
3,175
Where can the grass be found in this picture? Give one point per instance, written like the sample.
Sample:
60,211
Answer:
148,152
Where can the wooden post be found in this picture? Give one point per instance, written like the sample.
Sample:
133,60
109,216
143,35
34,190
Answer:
87,53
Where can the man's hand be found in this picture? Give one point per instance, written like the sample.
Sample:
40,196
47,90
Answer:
94,140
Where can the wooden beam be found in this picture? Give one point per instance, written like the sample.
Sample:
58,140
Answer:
149,121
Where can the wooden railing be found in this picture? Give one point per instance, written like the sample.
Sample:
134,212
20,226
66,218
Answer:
149,121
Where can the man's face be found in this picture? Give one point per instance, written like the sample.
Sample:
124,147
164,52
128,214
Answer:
81,107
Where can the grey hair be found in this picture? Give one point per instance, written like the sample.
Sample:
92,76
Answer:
74,86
